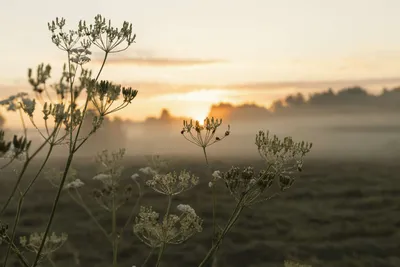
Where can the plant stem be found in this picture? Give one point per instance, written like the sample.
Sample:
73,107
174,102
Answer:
72,150
213,201
148,257
233,218
24,168
21,257
53,211
81,203
114,231
160,253
205,155
16,220
128,221
21,200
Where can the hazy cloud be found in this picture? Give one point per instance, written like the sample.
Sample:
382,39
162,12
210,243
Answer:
322,84
159,61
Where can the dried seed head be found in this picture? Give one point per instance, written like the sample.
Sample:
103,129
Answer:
172,229
172,183
208,129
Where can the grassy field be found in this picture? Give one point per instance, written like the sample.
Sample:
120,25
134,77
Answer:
339,213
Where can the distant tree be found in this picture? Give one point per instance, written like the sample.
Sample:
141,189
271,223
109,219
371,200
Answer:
323,98
277,106
295,100
165,115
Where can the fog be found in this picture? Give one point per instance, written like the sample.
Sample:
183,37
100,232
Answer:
350,124
337,136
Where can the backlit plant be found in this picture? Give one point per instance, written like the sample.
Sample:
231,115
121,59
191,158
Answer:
63,116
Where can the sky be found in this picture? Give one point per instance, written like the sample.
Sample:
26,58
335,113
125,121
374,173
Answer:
191,54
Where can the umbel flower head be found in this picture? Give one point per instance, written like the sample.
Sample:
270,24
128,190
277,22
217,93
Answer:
53,242
172,183
173,229
112,195
104,93
246,185
283,156
203,135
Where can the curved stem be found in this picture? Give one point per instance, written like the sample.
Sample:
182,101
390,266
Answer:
74,148
148,257
133,209
21,257
81,203
114,231
24,168
21,200
233,218
53,211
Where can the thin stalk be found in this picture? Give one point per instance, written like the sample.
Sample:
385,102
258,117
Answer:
68,164
21,257
160,253
233,218
23,123
16,220
213,199
53,211
21,200
128,221
81,203
148,257
24,168
114,232
74,149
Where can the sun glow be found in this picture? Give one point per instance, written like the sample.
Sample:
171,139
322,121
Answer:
200,116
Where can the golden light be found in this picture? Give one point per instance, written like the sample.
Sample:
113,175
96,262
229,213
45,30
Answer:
200,114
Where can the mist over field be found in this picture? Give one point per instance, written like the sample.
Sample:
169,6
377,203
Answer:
341,210
351,124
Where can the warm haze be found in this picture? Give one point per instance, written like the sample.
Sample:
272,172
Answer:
191,54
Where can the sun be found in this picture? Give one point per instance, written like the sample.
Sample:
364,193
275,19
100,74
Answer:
200,117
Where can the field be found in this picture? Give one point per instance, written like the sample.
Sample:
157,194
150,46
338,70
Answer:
338,213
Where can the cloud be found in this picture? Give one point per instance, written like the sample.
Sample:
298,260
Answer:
321,84
159,61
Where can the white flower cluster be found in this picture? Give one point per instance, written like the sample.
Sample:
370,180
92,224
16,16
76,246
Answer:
112,167
215,176
135,176
53,242
74,184
148,171
172,229
172,183
71,182
186,209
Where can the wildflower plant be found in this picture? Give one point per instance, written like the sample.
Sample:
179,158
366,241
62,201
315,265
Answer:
64,115
52,243
67,116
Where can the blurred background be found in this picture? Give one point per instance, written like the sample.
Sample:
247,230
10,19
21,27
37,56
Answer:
326,72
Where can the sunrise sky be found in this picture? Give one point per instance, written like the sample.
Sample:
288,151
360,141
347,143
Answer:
192,53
